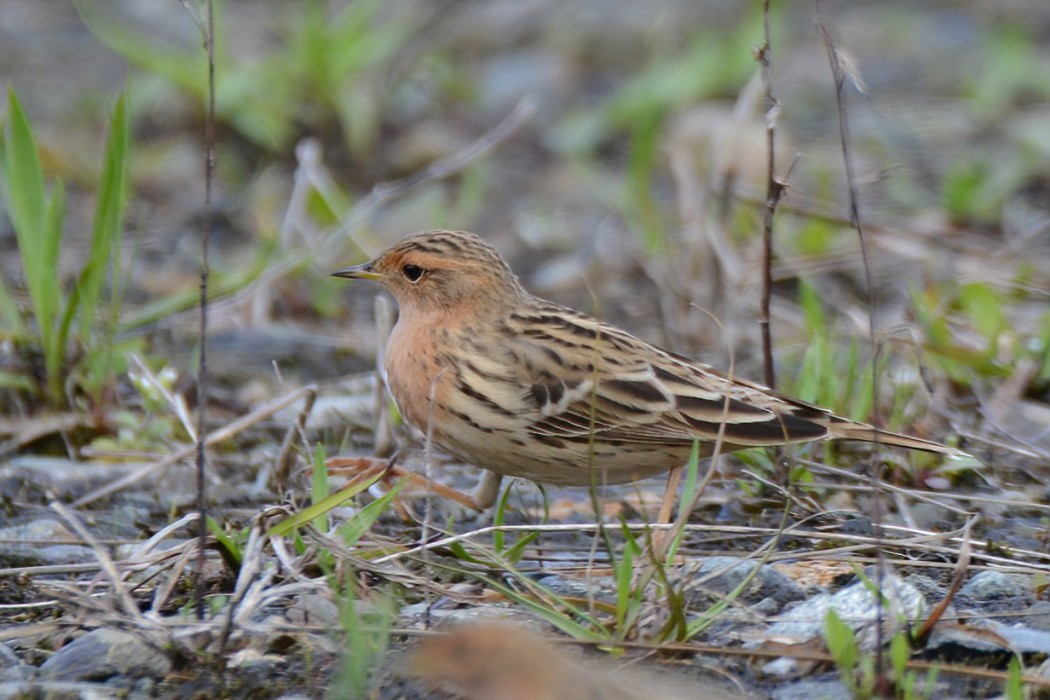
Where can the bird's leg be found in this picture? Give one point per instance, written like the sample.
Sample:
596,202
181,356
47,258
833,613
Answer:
485,493
674,477
357,465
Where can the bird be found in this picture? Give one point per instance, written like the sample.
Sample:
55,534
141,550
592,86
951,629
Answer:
523,387
502,661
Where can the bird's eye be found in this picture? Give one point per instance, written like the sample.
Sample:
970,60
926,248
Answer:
412,272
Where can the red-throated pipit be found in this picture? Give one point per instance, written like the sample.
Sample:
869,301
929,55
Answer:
522,387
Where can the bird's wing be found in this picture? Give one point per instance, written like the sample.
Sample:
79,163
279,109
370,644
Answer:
586,379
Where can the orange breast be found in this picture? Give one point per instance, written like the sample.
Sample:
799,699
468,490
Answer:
412,369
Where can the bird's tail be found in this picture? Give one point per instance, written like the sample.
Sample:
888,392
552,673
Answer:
848,430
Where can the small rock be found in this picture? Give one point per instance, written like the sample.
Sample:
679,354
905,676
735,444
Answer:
1038,615
105,653
783,667
43,529
766,606
11,667
313,609
856,606
593,587
1023,638
30,553
928,586
995,585
729,572
807,689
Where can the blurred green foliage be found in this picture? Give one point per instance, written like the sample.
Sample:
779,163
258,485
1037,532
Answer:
72,330
317,69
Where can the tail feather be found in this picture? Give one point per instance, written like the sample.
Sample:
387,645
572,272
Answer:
848,430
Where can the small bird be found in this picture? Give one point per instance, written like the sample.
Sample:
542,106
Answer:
499,661
523,387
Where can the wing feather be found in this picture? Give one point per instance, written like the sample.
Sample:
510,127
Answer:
606,383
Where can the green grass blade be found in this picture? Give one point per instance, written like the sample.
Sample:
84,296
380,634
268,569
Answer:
625,594
288,525
692,481
516,551
27,201
320,489
19,382
225,541
10,316
352,530
185,67
31,216
54,343
842,643
104,255
107,233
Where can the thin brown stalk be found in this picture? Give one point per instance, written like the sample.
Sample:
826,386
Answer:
278,481
774,191
106,564
206,26
961,571
844,73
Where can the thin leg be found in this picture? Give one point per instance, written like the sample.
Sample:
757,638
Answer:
660,538
487,490
357,464
674,477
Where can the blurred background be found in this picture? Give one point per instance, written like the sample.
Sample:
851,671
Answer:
632,189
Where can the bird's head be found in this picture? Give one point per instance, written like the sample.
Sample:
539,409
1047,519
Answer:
442,271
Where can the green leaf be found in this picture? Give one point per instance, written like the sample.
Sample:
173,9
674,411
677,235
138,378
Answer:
1014,689
461,553
103,256
516,551
224,540
319,487
984,307
899,653
10,316
812,309
290,524
353,529
842,644
34,219
19,382
692,479
54,343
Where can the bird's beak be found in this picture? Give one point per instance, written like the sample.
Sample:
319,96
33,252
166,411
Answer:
364,271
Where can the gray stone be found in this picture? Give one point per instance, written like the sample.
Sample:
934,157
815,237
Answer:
21,545
729,572
595,586
995,585
105,653
1037,615
766,606
1023,638
44,529
11,667
829,688
315,609
856,606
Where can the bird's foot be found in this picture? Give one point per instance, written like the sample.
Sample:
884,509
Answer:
368,467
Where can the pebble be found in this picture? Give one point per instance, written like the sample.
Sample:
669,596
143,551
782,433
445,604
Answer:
856,606
995,585
729,572
104,653
20,545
